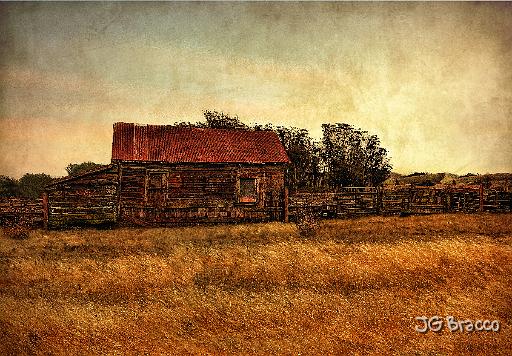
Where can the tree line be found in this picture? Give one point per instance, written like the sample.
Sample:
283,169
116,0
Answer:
32,185
345,156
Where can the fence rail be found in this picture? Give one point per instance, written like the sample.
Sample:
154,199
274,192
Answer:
21,211
353,201
349,201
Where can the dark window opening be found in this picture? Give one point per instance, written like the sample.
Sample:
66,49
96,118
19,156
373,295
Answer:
248,190
156,186
155,181
174,181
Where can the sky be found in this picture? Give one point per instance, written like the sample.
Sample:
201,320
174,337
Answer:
432,80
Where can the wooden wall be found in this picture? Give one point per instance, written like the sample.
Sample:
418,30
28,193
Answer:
167,194
89,199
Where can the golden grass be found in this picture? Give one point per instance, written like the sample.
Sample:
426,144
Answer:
355,288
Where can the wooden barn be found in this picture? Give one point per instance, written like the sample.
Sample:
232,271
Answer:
166,175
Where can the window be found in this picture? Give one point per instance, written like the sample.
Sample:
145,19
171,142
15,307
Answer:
156,181
155,188
174,181
248,192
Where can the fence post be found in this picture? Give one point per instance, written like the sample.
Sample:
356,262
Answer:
378,198
286,204
45,210
481,200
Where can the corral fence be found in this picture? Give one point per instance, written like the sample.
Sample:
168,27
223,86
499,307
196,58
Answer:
21,211
357,201
347,202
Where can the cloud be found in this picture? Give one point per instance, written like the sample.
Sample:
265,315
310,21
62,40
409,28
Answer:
431,80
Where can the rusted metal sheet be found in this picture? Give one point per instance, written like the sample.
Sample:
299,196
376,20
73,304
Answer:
160,143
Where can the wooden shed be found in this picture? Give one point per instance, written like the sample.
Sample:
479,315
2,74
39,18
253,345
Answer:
166,175
90,198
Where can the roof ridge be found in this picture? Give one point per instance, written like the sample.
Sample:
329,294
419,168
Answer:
192,127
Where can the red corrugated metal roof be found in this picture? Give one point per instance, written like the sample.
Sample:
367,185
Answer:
133,142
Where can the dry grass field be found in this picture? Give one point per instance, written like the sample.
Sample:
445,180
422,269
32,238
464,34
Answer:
354,288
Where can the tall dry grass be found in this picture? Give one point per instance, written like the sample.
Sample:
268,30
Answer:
353,288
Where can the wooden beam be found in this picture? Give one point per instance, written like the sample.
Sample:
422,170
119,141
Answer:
481,200
286,204
45,210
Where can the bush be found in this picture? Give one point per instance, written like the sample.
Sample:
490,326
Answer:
8,187
17,232
74,169
32,185
307,222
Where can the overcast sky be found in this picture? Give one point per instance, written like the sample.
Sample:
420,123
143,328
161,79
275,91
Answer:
432,80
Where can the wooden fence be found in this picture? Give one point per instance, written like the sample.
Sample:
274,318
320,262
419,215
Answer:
353,201
348,202
21,211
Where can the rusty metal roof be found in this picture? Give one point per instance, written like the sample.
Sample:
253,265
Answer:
161,143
